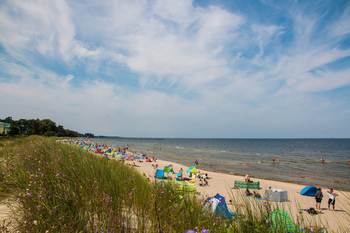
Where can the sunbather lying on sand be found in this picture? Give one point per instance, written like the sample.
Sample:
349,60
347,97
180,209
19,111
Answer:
248,193
255,194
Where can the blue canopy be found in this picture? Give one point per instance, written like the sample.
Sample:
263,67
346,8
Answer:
309,191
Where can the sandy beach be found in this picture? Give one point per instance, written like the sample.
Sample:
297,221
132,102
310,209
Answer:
297,204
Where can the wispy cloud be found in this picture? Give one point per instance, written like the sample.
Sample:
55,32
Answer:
174,68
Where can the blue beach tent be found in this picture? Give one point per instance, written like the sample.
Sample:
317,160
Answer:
309,191
218,205
159,174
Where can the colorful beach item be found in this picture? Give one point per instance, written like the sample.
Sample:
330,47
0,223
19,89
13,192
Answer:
247,185
184,187
309,191
159,174
218,205
192,169
282,222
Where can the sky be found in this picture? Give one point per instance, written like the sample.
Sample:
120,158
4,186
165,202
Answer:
184,68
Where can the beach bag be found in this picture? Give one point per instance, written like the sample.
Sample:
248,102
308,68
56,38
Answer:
312,211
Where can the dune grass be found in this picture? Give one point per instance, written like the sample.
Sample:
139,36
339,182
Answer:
60,188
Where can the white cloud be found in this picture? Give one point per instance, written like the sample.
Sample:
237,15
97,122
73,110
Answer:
192,70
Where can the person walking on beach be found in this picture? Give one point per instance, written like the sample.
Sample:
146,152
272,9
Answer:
331,195
196,163
318,198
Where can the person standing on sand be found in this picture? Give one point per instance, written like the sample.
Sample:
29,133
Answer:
247,178
318,198
331,201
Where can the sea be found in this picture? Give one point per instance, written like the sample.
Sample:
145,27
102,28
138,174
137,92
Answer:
299,159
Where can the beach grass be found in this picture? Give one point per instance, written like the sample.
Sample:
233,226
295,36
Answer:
55,187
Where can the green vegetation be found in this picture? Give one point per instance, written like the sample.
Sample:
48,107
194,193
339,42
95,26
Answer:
44,127
56,187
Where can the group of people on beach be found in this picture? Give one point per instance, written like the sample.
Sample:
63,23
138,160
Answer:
331,198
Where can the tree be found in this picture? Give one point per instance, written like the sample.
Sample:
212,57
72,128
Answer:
14,129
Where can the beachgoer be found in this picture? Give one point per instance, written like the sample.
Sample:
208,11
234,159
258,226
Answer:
273,159
247,178
255,194
322,160
200,182
205,181
278,160
248,193
318,198
180,171
196,163
348,161
331,201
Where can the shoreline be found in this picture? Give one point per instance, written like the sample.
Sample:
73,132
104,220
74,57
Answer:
223,183
296,205
256,177
299,165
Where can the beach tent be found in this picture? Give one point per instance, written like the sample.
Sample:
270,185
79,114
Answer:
309,191
281,222
169,169
192,169
218,205
159,174
128,159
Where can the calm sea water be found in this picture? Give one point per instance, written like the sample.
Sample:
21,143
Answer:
299,158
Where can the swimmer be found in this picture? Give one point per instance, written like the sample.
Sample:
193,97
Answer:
273,159
322,160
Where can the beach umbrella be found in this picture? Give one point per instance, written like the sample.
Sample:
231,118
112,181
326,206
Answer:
192,169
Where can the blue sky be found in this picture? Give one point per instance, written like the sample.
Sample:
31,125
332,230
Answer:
218,69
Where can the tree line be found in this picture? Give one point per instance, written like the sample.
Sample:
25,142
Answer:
45,127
